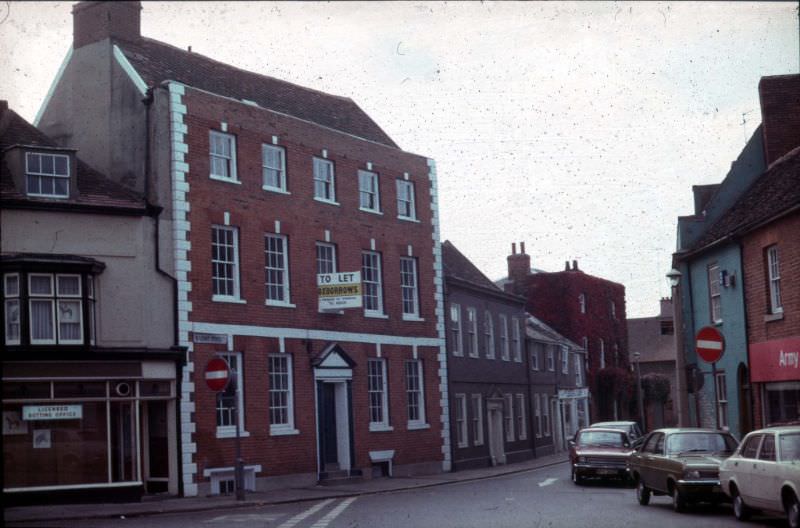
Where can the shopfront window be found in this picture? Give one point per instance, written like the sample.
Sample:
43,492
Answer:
782,402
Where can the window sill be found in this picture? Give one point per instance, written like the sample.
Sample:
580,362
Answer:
275,190
329,202
371,211
768,318
475,356
409,219
417,426
226,299
283,431
226,180
462,446
380,428
230,432
413,318
279,304
376,315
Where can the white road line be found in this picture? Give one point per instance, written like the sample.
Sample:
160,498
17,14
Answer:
244,517
334,513
300,516
547,482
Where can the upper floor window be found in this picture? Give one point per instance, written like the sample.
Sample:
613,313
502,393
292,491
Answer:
774,275
536,348
505,354
564,359
276,269
324,183
471,343
488,328
517,341
456,346
578,371
222,150
273,168
225,262
326,258
551,358
582,302
602,354
11,308
372,282
461,420
368,191
408,285
47,174
613,309
714,293
406,207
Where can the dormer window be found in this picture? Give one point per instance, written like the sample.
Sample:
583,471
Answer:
47,175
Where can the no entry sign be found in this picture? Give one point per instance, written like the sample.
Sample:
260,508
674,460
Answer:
217,374
710,344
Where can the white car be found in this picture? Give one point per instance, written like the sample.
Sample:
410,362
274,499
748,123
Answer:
764,474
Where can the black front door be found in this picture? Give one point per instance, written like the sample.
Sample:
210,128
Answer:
329,440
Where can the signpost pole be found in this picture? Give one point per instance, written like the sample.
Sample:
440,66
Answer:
238,470
716,392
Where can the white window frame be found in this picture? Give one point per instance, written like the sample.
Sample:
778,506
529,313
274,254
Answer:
508,416
472,333
12,298
234,265
409,287
578,371
546,414
326,179
462,438
322,260
372,282
488,328
69,298
516,340
550,359
456,340
42,297
582,302
537,410
417,391
278,169
276,262
229,431
714,293
406,200
522,425
369,191
536,346
287,427
381,391
231,159
722,398
602,353
564,359
477,419
41,175
774,277
505,353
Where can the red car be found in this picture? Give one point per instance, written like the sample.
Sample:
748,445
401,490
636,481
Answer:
599,452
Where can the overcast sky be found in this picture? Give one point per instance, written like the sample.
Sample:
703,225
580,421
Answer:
578,128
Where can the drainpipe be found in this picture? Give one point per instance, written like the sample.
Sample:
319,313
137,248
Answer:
749,409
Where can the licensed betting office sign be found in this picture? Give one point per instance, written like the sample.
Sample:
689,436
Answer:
338,291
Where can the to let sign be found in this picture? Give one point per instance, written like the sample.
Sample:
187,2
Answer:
710,344
338,291
217,374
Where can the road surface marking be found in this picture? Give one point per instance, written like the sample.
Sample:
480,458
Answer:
333,514
309,512
245,517
547,482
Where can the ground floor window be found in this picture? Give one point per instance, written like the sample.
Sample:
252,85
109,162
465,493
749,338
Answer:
781,402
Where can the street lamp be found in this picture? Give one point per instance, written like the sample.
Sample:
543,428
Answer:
674,277
636,356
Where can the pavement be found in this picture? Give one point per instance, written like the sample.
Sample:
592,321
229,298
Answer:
158,505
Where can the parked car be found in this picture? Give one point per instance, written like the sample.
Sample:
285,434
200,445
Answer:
599,452
764,474
632,428
682,463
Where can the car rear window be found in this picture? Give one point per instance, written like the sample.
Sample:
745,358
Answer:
700,442
602,438
790,447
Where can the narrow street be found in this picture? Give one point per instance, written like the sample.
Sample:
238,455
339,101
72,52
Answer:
538,498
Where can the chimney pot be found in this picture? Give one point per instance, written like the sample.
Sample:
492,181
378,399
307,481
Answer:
513,248
574,265
522,247
566,265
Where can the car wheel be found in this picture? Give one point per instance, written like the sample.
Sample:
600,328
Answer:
642,493
577,479
678,500
793,512
740,509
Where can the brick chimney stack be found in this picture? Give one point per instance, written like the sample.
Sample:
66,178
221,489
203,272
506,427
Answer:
519,266
96,21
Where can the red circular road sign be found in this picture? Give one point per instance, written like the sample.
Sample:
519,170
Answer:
710,344
217,374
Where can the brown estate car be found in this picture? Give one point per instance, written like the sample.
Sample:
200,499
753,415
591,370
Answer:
599,452
682,463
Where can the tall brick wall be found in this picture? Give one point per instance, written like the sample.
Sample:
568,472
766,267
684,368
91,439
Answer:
780,114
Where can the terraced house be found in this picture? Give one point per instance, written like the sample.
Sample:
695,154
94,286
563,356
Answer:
264,185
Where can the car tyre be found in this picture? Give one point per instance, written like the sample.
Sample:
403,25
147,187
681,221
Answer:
793,512
679,502
642,493
577,479
740,510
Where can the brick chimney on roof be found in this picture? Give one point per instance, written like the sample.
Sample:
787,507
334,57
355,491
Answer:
519,265
96,21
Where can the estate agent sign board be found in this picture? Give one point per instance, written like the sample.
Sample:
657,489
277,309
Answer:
338,291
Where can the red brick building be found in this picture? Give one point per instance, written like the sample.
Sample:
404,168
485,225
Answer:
267,184
589,311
